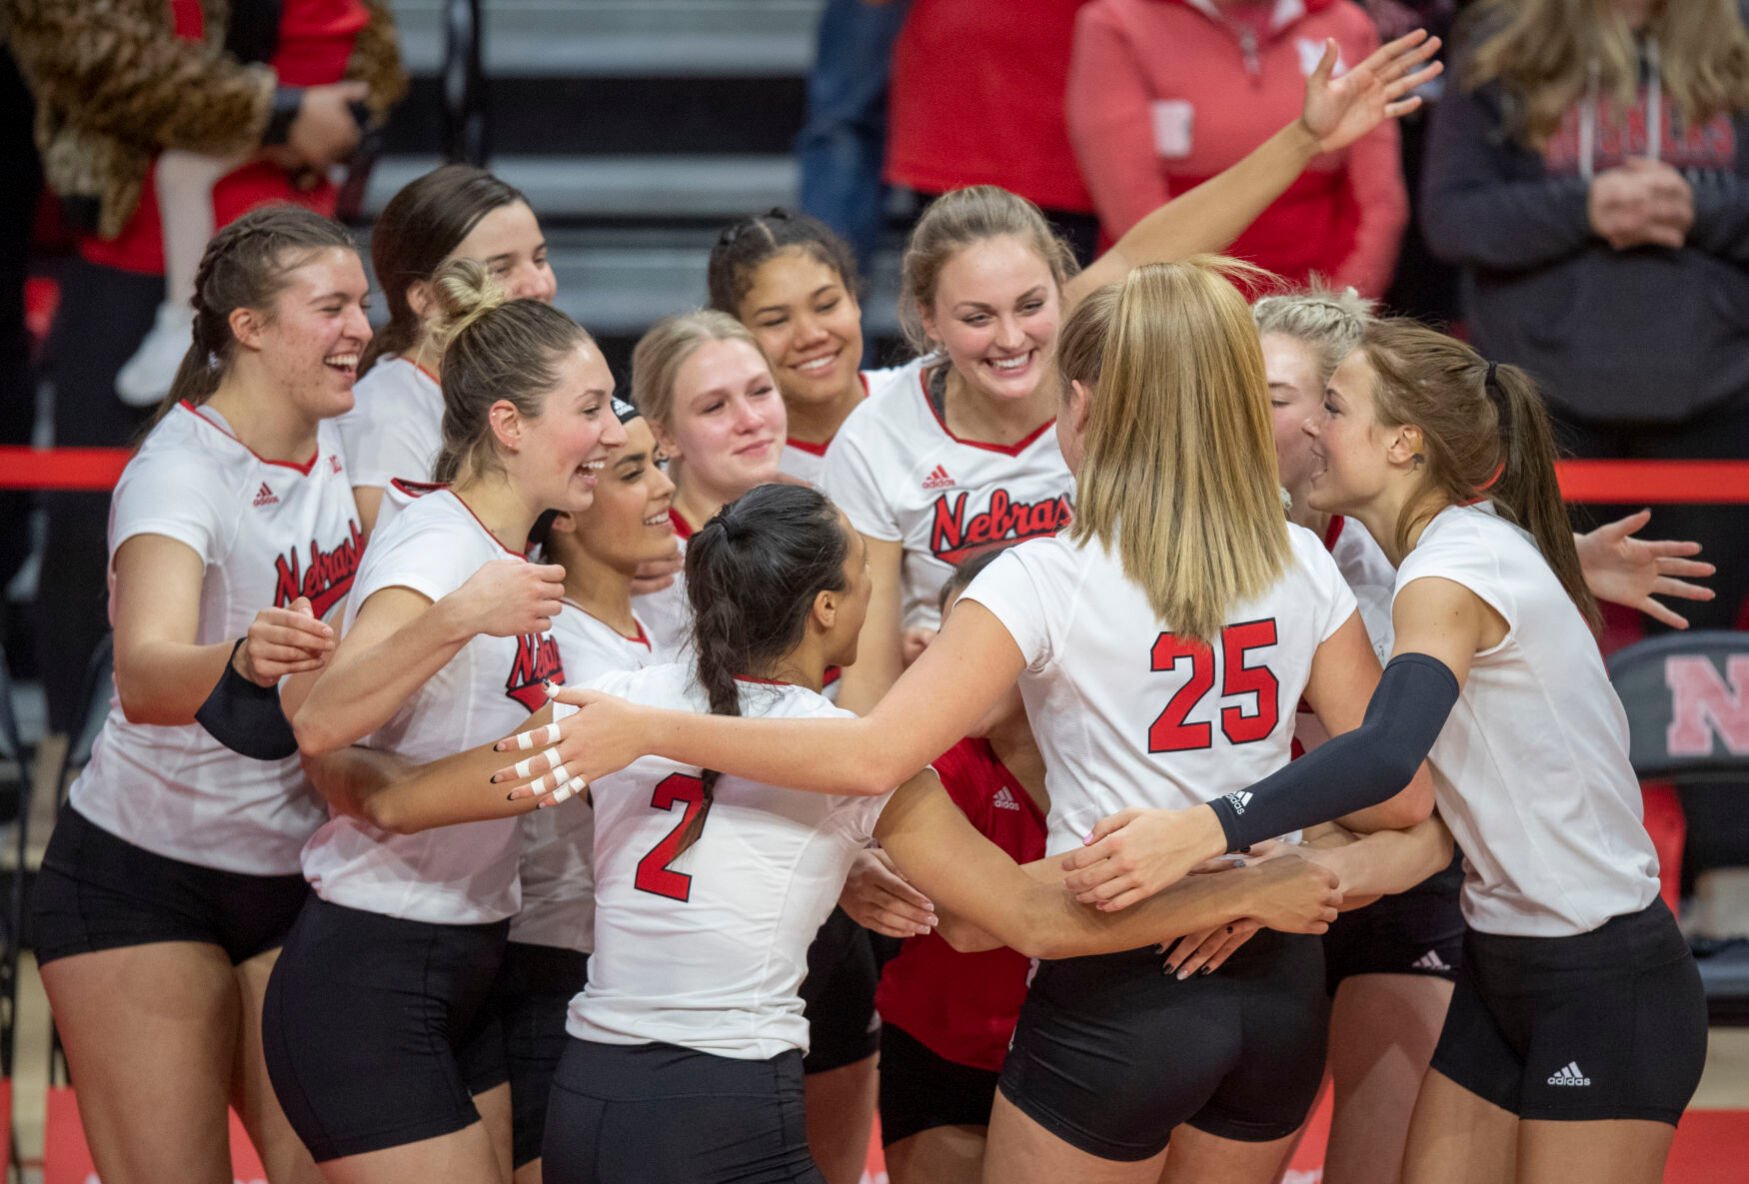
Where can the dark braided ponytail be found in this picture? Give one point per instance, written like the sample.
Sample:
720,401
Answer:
246,265
752,574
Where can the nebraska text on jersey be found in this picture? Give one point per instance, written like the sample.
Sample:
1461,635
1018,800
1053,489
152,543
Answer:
537,662
955,536
327,578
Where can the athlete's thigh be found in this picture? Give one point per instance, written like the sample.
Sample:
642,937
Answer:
840,1117
1197,1157
1457,1137
939,1155
150,1033
1608,1151
1383,1029
283,1154
1020,1151
464,1155
495,1115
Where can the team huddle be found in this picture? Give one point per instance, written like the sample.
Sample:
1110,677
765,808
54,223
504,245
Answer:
1068,744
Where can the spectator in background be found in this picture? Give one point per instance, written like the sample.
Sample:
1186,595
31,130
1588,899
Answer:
844,139
1588,168
978,100
1164,94
116,82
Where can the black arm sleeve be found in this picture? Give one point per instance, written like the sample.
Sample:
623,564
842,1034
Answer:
1356,769
246,718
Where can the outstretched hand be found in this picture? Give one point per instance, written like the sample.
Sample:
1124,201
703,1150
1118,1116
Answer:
1630,571
1339,111
599,738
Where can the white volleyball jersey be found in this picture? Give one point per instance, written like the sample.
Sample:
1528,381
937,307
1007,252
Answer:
900,475
667,613
452,874
395,428
807,462
1531,772
267,533
558,866
707,949
1128,715
1372,579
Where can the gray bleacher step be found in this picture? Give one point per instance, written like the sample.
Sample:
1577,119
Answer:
572,188
619,283
607,38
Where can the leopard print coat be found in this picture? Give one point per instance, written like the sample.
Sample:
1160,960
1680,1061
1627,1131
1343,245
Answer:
114,85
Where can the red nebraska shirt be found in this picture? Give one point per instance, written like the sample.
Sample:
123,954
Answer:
963,1007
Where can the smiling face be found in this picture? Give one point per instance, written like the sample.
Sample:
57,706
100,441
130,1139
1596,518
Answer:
808,324
726,421
310,340
1351,451
628,522
996,312
1296,397
562,452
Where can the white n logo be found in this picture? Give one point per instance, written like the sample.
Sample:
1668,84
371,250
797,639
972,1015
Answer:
1701,704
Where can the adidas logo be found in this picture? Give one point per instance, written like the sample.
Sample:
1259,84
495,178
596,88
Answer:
1430,961
1239,799
1569,1075
266,497
938,479
335,461
1004,800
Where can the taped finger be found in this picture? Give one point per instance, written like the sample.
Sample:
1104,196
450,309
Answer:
539,738
567,791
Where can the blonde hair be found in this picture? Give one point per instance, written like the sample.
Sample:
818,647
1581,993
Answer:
1081,341
1328,323
1180,474
1484,432
659,354
494,348
960,219
1543,51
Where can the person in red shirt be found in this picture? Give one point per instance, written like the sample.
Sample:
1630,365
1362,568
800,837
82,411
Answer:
1164,94
947,1017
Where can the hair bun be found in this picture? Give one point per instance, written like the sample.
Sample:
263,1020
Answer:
464,292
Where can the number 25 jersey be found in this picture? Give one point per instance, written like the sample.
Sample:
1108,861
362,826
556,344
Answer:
1127,713
707,949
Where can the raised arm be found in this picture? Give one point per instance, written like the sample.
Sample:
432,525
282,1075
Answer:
1338,111
932,706
969,877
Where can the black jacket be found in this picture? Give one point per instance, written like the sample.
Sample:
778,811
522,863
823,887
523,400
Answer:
1646,334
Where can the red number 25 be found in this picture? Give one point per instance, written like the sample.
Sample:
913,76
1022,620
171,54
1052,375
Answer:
1170,732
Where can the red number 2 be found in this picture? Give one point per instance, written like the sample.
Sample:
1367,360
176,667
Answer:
654,874
1169,731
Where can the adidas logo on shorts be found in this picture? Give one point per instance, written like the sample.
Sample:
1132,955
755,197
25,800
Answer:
1569,1075
1004,800
1430,961
266,497
1239,799
938,479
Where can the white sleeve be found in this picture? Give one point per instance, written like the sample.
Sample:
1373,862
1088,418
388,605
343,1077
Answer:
382,447
425,560
1009,589
162,493
1464,557
851,481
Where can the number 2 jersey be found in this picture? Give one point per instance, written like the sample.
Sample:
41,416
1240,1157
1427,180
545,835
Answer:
707,949
1126,713
267,532
900,475
450,875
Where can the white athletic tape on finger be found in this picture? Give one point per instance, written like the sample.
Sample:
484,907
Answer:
569,790
528,766
539,738
553,780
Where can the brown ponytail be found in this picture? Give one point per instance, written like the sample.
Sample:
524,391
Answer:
1485,433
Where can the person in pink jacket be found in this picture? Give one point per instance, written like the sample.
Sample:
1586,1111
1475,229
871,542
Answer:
1164,94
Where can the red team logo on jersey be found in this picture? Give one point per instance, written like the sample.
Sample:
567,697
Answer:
955,537
537,662
325,580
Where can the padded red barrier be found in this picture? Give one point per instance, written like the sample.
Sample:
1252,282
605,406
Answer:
67,1158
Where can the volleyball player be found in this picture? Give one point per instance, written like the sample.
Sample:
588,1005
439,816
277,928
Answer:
1111,1055
955,452
171,877
1389,967
453,212
414,926
1577,1030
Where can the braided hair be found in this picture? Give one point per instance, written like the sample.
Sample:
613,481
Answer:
246,265
752,575
743,247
